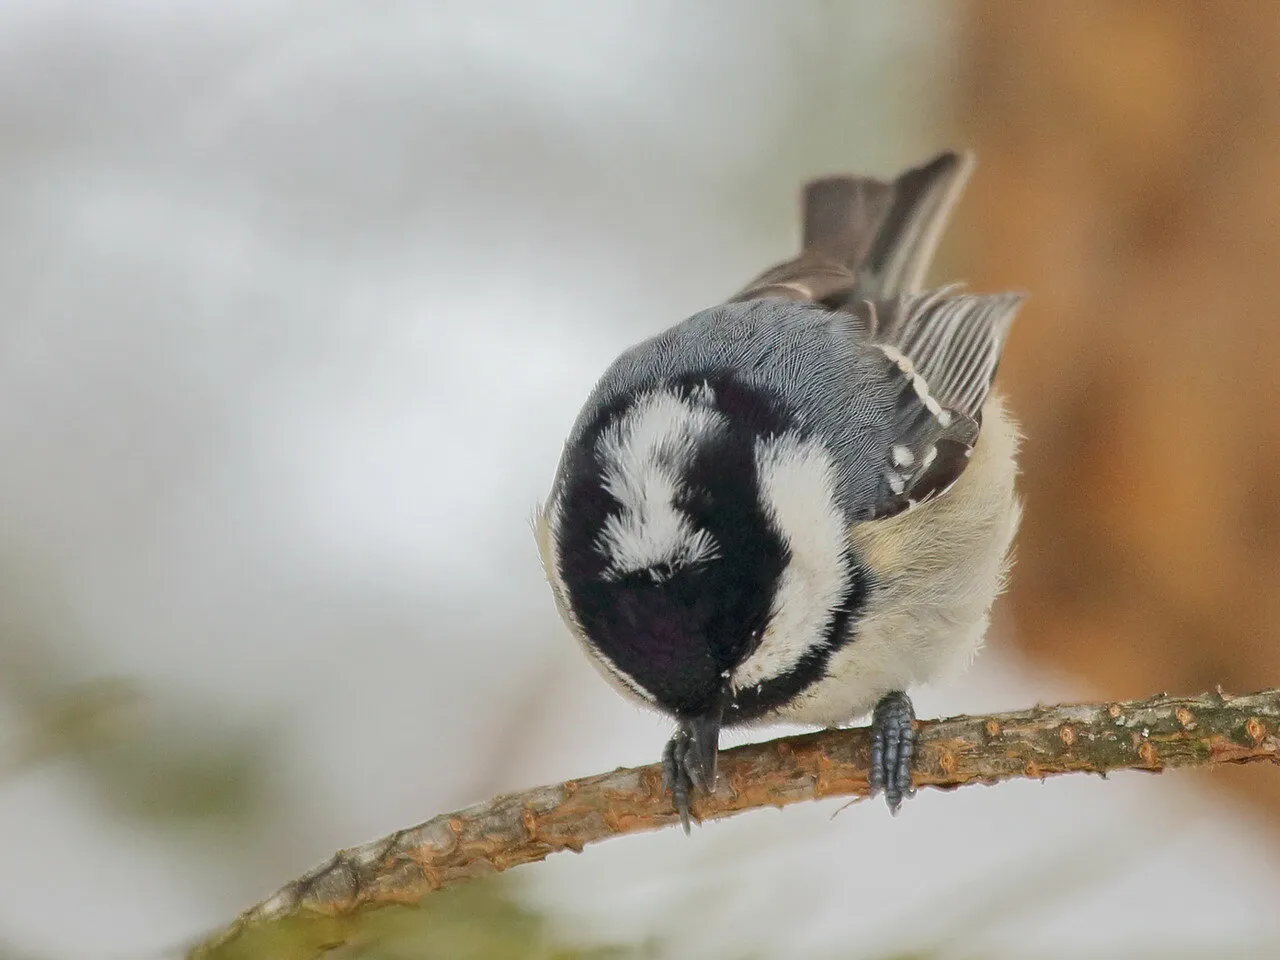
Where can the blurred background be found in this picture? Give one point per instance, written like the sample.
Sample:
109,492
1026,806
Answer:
298,300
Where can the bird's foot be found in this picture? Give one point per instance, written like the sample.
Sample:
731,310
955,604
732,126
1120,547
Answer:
893,744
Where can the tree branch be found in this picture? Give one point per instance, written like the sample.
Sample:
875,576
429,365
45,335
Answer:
1154,735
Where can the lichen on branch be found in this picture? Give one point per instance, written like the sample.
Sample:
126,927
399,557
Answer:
1156,734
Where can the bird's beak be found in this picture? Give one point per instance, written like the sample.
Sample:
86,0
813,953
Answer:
703,737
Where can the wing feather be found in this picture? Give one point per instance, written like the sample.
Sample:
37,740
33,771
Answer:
942,351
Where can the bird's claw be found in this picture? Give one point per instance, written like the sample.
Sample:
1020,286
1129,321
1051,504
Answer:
676,779
893,744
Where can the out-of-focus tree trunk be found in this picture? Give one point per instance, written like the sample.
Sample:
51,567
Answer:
1129,179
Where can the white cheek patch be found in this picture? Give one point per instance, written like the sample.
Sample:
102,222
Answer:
644,455
797,490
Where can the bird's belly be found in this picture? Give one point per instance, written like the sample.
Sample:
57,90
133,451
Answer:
891,651
937,570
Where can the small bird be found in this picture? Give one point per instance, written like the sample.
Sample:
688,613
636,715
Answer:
794,505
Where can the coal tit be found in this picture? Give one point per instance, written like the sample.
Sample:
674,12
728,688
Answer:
796,504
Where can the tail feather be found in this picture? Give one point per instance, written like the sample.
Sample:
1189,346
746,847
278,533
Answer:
867,239
904,246
843,216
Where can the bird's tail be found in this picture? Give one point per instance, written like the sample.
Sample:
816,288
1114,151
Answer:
866,238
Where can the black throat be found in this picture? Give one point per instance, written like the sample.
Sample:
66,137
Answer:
679,632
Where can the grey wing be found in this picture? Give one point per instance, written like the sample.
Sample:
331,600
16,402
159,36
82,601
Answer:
943,351
867,244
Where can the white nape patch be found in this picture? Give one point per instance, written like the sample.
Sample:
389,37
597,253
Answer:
644,456
797,489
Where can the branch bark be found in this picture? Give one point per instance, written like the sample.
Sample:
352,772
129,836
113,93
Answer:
1153,735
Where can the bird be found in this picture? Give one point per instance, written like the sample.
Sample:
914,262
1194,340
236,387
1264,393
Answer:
796,504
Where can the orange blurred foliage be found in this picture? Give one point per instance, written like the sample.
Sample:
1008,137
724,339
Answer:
1129,179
